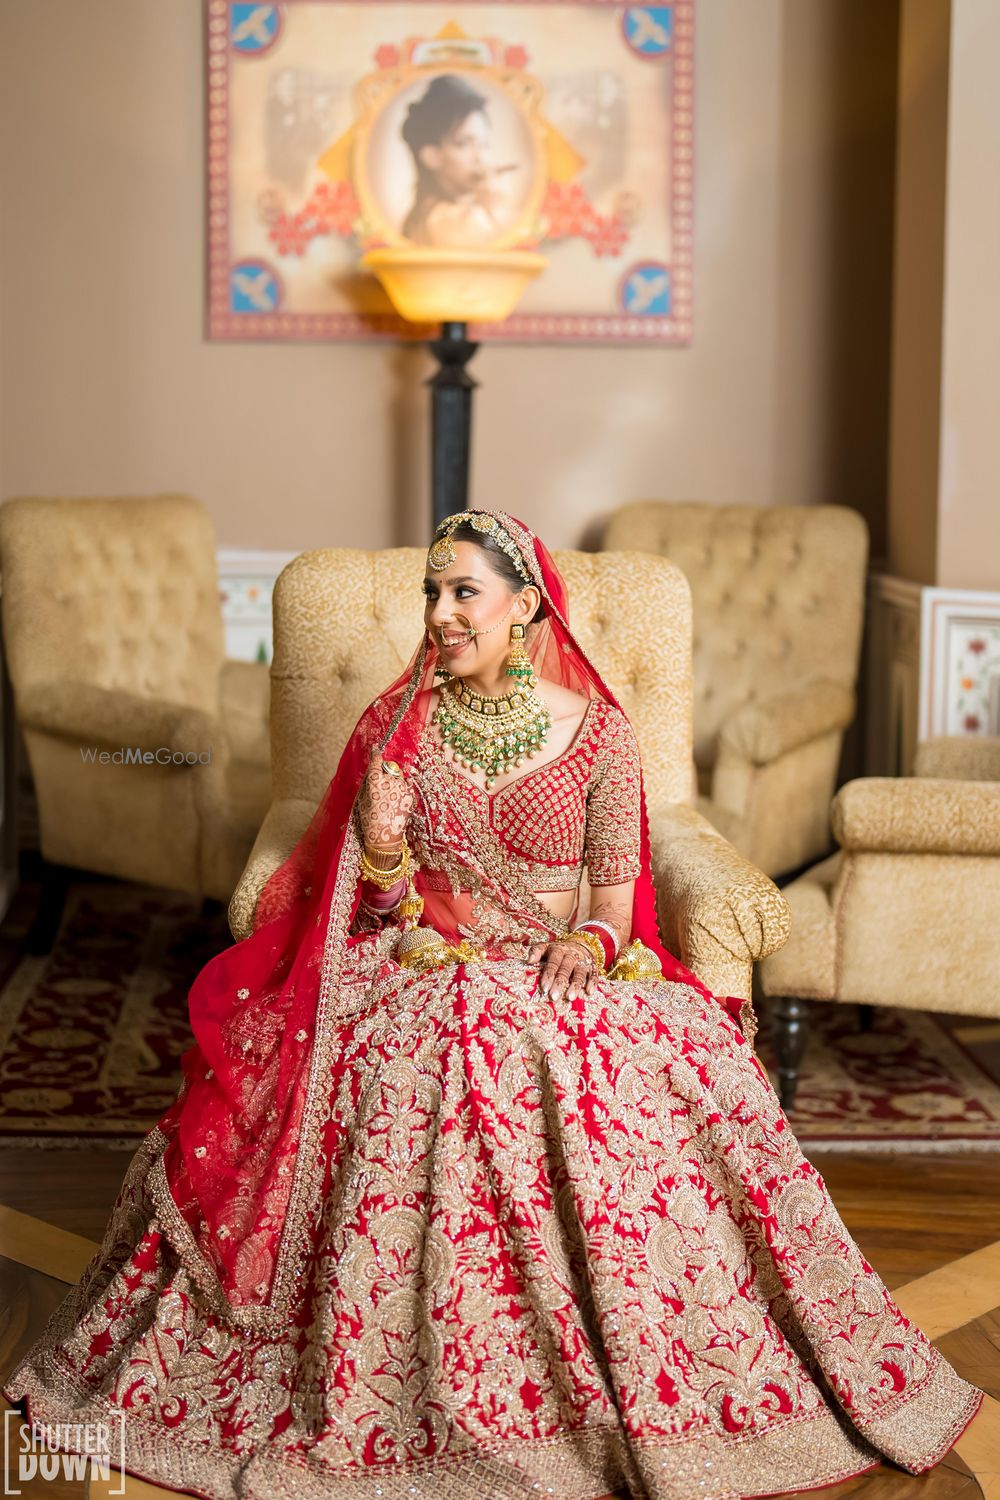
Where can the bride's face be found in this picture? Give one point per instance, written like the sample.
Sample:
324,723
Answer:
469,610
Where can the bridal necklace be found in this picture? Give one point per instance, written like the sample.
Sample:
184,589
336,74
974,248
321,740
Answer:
491,733
494,732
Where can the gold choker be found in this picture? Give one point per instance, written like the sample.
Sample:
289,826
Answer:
491,734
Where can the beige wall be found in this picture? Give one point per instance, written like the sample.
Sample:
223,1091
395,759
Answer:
944,489
969,526
108,385
921,174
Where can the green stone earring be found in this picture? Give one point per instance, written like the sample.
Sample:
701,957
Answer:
519,662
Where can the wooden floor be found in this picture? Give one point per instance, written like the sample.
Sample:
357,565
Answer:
930,1225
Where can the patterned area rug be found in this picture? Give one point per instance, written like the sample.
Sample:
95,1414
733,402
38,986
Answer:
913,1082
91,1038
91,1035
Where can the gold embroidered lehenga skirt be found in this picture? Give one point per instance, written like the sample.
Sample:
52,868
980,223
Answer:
565,1247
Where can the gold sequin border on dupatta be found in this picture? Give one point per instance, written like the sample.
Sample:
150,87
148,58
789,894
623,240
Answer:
272,1314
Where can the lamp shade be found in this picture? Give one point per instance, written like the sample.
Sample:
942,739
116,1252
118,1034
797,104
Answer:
460,286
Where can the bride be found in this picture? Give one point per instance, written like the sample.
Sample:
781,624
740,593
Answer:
469,1190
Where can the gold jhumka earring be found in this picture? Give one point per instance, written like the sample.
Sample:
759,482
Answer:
519,662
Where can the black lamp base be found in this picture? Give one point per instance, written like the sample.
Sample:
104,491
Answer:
451,419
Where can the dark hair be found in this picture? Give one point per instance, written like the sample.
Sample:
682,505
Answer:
498,561
446,102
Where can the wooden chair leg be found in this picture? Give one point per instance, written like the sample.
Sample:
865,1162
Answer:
791,1036
55,887
866,1015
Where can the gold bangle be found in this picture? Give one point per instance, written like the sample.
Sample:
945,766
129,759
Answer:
592,943
386,879
383,879
376,856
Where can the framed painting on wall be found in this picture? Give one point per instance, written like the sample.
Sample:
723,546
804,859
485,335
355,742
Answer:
337,126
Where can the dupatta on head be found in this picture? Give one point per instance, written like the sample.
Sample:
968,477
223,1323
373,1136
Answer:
240,1183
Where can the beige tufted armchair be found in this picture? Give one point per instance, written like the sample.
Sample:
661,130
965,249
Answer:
778,609
906,913
114,638
346,623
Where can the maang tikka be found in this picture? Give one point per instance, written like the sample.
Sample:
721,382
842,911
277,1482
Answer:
442,550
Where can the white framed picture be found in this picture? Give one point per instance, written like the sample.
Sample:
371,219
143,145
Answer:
959,662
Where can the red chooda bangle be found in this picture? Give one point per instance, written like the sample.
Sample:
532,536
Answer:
603,938
378,900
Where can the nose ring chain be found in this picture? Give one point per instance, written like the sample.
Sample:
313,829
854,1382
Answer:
490,628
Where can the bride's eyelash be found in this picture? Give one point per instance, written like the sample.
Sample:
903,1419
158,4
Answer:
462,590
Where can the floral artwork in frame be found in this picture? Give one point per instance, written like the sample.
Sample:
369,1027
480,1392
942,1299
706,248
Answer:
960,662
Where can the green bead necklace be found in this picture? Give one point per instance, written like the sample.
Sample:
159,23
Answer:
492,733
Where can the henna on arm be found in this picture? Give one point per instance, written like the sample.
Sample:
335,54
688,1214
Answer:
613,904
383,807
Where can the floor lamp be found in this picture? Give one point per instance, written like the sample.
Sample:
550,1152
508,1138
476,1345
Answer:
453,288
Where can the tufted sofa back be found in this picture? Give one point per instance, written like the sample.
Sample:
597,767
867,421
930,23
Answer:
347,622
778,596
122,593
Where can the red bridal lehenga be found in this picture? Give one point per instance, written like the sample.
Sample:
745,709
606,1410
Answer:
412,1234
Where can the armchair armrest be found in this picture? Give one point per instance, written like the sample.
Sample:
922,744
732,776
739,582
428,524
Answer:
110,718
961,757
285,823
245,706
918,815
761,732
719,913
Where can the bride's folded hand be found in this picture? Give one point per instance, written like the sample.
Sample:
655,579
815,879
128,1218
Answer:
384,804
566,969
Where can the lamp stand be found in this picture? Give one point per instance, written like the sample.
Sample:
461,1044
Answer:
451,419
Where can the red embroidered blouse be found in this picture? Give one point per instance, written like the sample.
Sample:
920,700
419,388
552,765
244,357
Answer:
580,808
